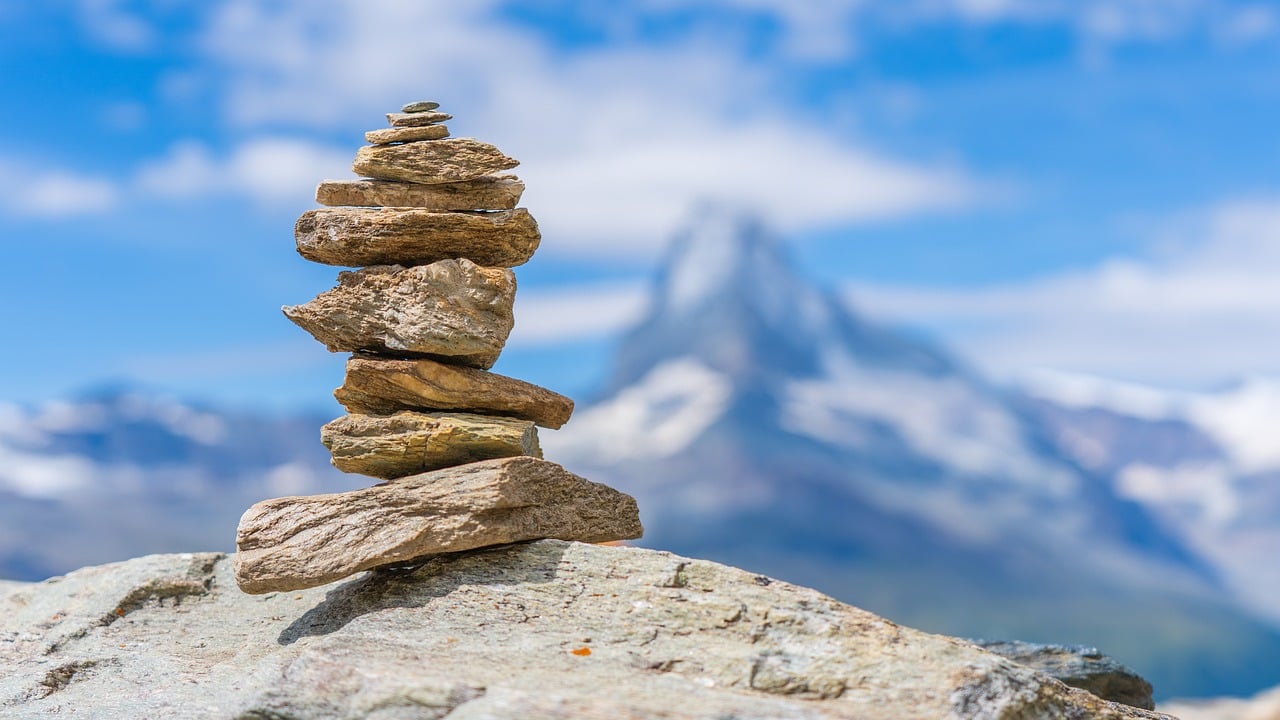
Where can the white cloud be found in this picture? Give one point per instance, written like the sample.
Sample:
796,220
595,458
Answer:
1198,313
269,170
548,317
108,22
56,193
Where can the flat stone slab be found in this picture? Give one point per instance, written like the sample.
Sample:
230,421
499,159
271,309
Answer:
451,309
408,134
358,236
408,443
438,161
491,192
1079,666
300,542
419,106
417,119
381,386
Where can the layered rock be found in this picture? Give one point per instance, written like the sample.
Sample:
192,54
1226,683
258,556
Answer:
406,134
1078,666
417,119
437,161
406,443
404,236
491,192
299,542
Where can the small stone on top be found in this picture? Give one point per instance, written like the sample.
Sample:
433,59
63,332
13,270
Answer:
420,106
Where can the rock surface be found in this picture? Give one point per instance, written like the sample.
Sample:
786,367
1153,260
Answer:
299,542
1083,667
408,134
438,161
491,192
359,236
420,106
538,631
452,308
417,119
406,443
377,386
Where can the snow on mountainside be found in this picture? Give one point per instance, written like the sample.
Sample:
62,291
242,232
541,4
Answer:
1208,464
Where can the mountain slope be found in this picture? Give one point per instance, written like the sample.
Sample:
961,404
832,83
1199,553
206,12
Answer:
761,423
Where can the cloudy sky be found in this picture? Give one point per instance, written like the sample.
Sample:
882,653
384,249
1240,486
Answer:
1078,185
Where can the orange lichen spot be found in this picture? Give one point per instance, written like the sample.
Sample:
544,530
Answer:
119,612
581,652
613,543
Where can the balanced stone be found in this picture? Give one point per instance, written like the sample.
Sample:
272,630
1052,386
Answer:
408,134
417,119
491,192
439,161
299,542
378,386
407,443
453,309
356,236
420,106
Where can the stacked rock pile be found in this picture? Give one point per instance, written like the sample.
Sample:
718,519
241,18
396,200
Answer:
434,229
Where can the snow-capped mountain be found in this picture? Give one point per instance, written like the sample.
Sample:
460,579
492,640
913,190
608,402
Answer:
119,473
761,422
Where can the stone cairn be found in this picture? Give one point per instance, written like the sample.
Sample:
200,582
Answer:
434,229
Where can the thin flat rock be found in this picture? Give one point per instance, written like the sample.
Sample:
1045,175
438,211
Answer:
408,443
417,119
380,386
439,161
491,192
451,309
408,134
420,106
356,236
300,542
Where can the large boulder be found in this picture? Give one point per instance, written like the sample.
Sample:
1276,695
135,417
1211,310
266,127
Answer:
547,629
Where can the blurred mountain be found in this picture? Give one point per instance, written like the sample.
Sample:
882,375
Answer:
118,473
763,424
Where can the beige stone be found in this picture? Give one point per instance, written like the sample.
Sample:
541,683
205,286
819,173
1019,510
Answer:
408,134
491,192
417,119
357,236
451,309
300,542
438,161
407,443
379,386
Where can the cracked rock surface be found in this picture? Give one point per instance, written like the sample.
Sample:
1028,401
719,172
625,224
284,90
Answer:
536,631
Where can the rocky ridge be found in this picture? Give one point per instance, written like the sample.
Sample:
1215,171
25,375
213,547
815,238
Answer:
433,234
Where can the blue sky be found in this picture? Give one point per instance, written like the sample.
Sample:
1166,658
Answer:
1075,185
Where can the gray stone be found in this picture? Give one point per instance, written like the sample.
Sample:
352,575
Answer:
491,192
452,309
407,443
408,134
379,386
1078,666
299,542
356,236
420,106
438,161
417,119
493,634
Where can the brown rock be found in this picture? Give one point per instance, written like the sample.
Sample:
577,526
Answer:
452,309
408,134
439,161
408,236
407,443
417,119
378,386
300,542
491,192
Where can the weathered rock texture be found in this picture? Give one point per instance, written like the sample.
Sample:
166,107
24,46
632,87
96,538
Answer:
452,308
299,542
417,119
358,236
438,161
491,192
406,134
1083,667
376,386
540,631
406,443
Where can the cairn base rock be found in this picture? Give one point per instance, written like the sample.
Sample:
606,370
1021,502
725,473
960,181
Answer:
438,161
492,192
299,542
408,443
379,386
452,308
358,236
